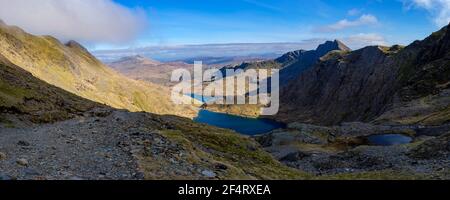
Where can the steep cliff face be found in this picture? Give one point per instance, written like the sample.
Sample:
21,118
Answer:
71,67
363,84
340,88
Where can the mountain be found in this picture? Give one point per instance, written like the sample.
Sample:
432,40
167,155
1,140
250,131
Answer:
406,85
297,62
141,68
291,65
72,68
374,113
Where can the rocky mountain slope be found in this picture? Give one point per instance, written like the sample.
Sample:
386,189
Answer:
72,68
141,68
335,108
296,63
291,65
407,85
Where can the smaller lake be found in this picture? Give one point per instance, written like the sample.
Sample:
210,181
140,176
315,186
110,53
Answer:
243,125
389,139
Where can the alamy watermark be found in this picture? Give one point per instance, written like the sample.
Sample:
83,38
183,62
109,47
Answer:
228,87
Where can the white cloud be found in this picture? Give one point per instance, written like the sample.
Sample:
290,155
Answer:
364,39
89,21
364,20
439,9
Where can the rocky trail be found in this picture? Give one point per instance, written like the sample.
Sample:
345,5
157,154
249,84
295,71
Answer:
108,144
81,148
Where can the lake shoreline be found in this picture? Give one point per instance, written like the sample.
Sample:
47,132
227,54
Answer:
243,125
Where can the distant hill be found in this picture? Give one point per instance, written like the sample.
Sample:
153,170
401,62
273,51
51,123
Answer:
141,68
219,62
211,54
72,68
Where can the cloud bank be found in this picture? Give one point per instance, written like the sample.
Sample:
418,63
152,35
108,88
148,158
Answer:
208,51
88,21
364,20
439,9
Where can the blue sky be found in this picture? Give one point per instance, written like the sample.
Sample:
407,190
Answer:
173,22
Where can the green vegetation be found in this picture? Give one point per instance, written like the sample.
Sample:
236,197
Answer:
236,151
376,175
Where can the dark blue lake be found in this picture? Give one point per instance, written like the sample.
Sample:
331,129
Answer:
243,125
389,139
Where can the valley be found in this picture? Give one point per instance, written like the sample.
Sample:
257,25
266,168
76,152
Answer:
373,113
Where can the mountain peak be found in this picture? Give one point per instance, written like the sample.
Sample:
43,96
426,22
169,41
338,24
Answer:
331,46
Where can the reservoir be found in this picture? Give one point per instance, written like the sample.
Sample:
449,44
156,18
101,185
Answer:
243,125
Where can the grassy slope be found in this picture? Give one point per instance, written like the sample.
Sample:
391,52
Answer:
74,69
206,146
21,93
